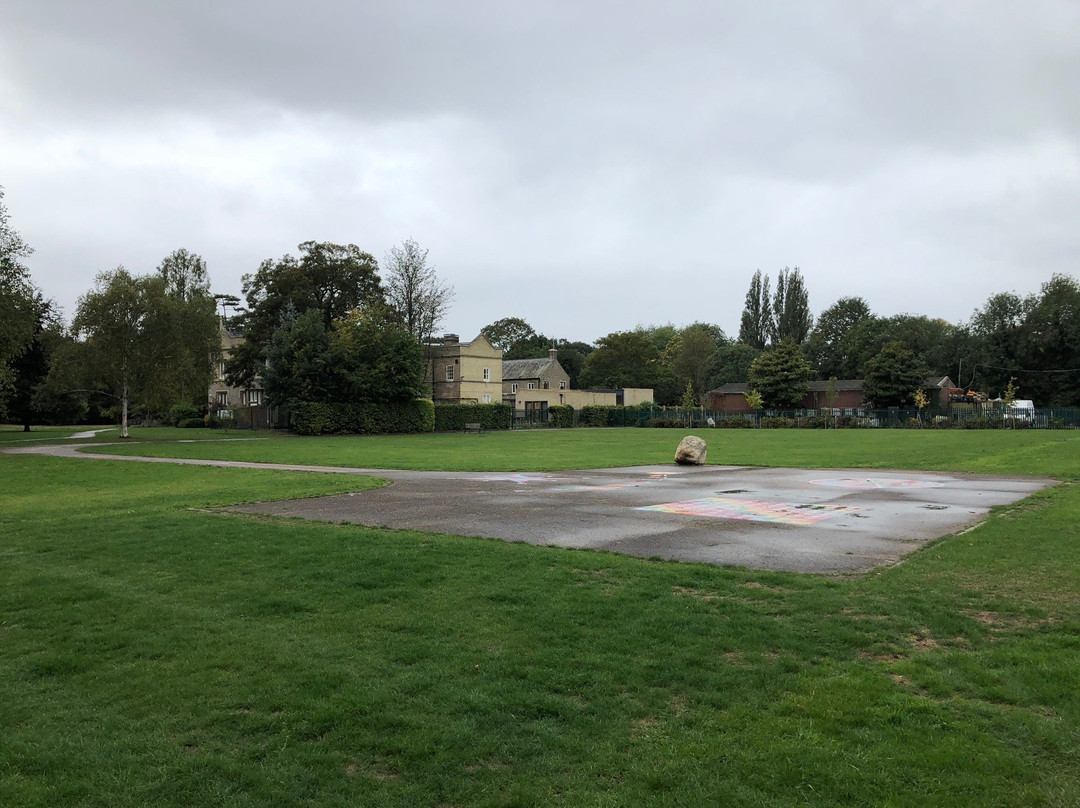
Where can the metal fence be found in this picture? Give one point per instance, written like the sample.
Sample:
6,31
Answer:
957,418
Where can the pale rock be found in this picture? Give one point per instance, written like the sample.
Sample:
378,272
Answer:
691,451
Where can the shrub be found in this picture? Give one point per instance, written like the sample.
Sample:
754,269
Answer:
318,418
453,417
735,422
561,415
665,423
777,422
184,412
191,423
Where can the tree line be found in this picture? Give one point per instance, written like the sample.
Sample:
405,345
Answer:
330,324
1032,342
326,325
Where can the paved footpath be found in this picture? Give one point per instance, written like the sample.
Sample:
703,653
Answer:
835,520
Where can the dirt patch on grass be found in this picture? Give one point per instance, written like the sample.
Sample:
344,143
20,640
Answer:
767,587
923,642
700,594
644,726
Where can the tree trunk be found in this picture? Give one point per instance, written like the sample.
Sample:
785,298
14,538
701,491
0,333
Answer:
124,414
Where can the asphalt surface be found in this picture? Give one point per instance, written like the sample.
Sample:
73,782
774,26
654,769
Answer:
774,519
823,521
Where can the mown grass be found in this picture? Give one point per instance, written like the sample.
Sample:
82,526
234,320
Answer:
1037,452
152,652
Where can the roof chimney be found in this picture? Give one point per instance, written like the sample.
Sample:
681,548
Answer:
450,339
553,354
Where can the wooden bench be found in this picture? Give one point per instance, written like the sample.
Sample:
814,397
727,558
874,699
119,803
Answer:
477,428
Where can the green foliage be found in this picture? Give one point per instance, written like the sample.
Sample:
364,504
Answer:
826,348
780,374
755,327
364,357
333,279
622,359
791,308
754,399
17,302
508,333
1008,398
689,355
689,399
935,343
613,415
328,418
453,417
598,415
183,412
892,376
561,415
144,342
730,363
191,423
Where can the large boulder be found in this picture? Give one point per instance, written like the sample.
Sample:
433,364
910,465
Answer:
691,451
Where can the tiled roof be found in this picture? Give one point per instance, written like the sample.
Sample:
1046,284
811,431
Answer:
524,368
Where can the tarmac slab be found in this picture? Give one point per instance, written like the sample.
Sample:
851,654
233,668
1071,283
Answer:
823,521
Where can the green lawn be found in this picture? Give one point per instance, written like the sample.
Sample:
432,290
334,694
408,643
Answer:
1038,452
152,652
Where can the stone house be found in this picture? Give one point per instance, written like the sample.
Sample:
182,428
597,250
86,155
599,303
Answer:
534,385
465,372
246,406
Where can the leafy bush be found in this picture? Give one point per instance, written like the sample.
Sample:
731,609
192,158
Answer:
317,418
737,422
453,417
777,422
184,412
561,415
665,423
191,423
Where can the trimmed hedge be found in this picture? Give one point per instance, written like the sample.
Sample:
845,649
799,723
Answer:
317,418
453,417
561,415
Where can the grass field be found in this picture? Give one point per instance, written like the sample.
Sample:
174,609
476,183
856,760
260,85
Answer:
154,652
1046,453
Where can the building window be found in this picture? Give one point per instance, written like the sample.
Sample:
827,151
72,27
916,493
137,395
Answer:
532,385
221,370
547,385
254,398
487,374
562,385
513,387
449,373
487,398
223,398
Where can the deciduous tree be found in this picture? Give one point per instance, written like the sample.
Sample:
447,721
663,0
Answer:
780,374
17,294
414,290
826,348
331,278
755,326
621,359
893,376
791,318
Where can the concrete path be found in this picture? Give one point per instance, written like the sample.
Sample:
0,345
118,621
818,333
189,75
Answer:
777,519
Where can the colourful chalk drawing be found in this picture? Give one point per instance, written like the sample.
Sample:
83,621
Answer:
876,483
750,510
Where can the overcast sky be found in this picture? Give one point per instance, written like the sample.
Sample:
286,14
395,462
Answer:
588,166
